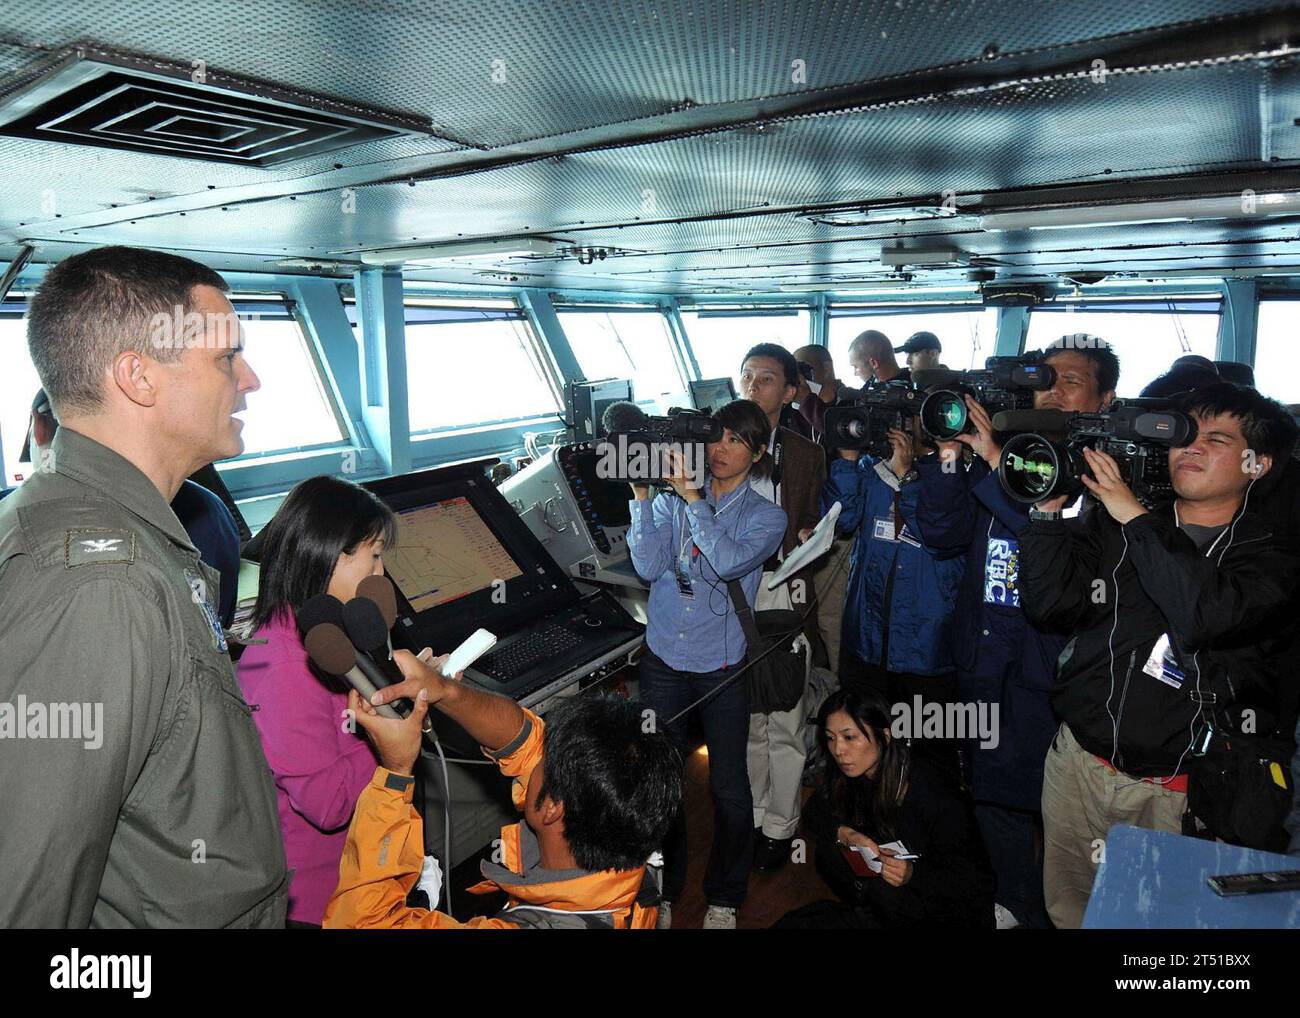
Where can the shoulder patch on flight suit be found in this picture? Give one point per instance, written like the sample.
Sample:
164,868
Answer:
84,545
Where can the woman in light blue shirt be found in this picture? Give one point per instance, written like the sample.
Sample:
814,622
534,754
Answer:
687,544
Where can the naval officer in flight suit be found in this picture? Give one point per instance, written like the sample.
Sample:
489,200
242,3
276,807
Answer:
133,783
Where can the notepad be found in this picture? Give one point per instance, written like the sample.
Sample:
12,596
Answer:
817,545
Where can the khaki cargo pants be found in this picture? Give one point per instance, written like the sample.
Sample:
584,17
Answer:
1082,799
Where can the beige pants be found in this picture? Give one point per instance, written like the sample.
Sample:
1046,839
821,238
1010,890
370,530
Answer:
829,581
776,756
1082,799
777,749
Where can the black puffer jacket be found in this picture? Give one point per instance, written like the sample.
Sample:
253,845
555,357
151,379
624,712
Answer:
952,882
1229,612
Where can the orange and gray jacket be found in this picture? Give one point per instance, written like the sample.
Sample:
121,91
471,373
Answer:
384,855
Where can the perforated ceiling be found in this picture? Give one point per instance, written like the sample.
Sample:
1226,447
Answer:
607,125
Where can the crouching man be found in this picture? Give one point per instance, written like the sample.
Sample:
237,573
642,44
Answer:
597,792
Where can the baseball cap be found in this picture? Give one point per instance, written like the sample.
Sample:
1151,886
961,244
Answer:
919,341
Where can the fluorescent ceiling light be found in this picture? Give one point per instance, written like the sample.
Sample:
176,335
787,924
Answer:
470,250
1181,210
882,214
897,257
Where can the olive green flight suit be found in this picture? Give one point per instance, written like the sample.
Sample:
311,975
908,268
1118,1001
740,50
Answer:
163,812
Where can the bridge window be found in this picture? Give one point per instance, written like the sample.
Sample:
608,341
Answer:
967,333
292,410
471,363
624,343
720,337
1147,335
1277,350
18,384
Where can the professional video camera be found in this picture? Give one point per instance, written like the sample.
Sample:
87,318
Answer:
864,424
636,444
1136,433
1004,383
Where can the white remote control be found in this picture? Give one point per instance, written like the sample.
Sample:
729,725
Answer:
468,652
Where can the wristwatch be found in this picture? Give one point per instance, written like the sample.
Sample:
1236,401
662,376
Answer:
1038,514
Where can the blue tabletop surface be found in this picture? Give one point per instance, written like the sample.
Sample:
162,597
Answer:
1155,880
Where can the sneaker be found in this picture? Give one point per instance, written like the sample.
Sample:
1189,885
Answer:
719,917
1004,919
665,920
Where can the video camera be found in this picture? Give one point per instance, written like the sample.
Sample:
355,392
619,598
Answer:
1004,383
864,424
1136,433
636,444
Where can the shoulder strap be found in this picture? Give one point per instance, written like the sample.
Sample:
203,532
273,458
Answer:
746,617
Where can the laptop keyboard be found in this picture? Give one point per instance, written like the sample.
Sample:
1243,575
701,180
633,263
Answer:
552,641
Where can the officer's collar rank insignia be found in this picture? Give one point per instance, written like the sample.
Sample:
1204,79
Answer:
94,545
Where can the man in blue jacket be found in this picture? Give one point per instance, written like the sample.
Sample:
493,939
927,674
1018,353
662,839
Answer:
899,595
1002,659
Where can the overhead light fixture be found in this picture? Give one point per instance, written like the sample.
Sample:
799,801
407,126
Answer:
882,214
470,250
1246,205
897,257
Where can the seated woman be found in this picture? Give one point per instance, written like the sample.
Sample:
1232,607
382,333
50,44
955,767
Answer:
687,544
876,793
327,536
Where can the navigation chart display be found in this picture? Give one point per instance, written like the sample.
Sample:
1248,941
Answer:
446,551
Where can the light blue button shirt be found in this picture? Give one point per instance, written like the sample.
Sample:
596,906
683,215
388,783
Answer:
734,537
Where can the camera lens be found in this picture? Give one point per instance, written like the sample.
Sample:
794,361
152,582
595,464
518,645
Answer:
1031,468
944,415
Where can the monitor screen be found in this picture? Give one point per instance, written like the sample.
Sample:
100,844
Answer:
712,393
610,499
588,401
445,551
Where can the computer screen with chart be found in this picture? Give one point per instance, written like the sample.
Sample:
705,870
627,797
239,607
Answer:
445,551
463,559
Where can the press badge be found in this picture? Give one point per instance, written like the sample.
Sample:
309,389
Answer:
1002,572
199,595
883,529
1163,664
684,586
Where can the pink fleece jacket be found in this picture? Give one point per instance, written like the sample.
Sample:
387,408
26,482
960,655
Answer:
320,768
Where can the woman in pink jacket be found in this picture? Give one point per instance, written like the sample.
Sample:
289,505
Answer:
327,536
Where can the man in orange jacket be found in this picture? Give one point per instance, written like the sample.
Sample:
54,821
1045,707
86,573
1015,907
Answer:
596,789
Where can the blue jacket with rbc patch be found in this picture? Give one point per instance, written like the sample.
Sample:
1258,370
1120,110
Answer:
894,583
1000,657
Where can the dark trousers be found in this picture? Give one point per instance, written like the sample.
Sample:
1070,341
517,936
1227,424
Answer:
900,687
1010,835
725,719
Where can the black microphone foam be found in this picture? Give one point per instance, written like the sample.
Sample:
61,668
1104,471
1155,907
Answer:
323,608
365,625
1032,420
623,416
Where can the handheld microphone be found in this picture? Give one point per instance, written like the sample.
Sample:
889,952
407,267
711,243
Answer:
1057,421
380,590
365,625
320,609
332,652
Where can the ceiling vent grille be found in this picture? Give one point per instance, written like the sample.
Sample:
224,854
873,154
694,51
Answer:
119,104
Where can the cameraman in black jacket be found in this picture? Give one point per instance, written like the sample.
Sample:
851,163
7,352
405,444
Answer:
1177,613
